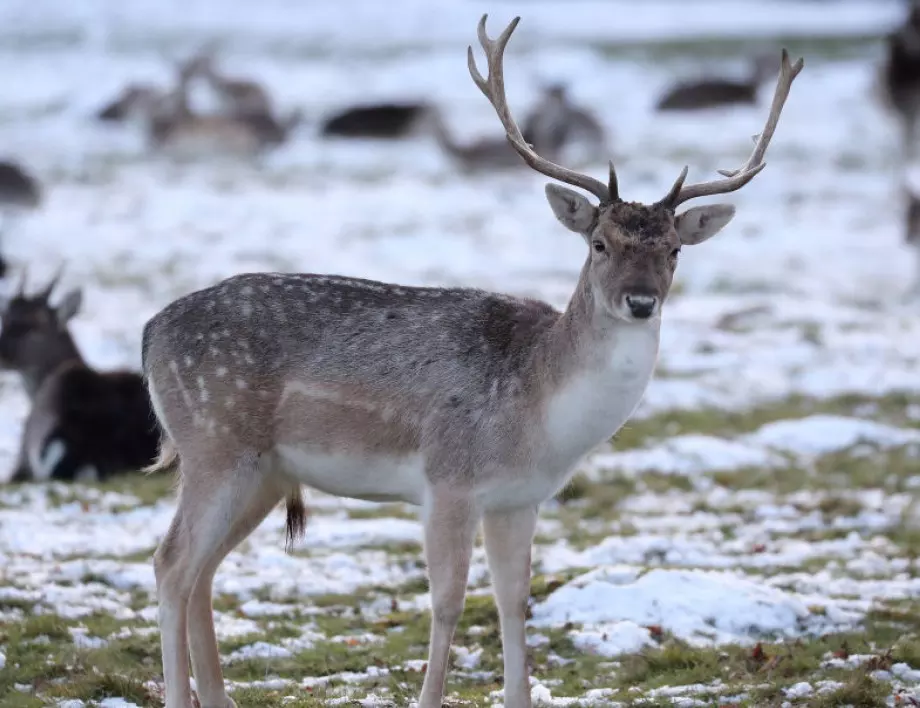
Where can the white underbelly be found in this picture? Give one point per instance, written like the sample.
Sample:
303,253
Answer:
358,476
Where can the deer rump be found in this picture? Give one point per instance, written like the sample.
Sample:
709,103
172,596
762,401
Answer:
89,426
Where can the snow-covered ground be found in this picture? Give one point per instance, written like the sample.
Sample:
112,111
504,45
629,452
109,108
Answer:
802,295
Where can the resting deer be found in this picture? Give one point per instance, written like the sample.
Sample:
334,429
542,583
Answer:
121,107
714,92
376,120
555,123
238,97
20,193
900,78
173,128
84,425
480,155
475,406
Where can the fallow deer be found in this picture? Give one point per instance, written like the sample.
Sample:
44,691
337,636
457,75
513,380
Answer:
900,77
84,425
120,108
473,405
237,96
482,154
388,120
20,193
714,92
555,123
175,129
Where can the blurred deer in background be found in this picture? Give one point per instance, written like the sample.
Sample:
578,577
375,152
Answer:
238,97
20,193
714,92
912,236
175,129
84,425
555,123
388,120
120,108
479,155
476,406
900,78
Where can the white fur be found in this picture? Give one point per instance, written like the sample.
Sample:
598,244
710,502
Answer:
589,408
358,476
44,461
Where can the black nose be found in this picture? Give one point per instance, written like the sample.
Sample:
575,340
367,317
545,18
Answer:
641,306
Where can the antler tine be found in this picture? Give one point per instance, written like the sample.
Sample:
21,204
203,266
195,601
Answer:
21,286
49,288
736,179
493,88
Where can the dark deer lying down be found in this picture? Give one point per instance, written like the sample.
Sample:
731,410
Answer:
475,406
375,120
84,425
713,92
900,79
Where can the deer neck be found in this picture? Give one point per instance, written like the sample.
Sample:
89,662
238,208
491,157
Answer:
595,369
53,357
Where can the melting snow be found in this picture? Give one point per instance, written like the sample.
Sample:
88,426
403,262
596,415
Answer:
698,606
612,638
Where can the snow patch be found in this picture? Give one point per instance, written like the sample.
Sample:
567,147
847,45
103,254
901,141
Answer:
612,639
702,607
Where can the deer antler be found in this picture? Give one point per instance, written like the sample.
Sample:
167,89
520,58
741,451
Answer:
493,88
735,179
23,277
52,284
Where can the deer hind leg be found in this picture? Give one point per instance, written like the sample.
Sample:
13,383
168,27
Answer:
508,540
451,520
217,510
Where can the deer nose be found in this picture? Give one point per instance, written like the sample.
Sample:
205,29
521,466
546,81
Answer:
641,306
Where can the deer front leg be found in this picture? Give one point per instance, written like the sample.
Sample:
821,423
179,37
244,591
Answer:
450,519
508,539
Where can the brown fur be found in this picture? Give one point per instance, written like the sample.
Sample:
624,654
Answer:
475,406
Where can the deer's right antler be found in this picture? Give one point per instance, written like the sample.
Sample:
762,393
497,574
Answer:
493,87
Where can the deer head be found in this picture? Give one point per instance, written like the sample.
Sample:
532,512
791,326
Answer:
633,246
34,338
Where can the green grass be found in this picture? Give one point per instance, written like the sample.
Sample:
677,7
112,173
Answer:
41,655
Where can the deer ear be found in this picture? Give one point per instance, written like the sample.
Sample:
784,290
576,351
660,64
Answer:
572,210
69,306
703,222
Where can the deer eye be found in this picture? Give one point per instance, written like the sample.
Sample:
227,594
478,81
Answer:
599,246
675,252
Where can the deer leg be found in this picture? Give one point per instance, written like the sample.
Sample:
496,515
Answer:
450,528
215,506
508,539
209,680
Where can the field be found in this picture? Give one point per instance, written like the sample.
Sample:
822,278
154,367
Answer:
750,538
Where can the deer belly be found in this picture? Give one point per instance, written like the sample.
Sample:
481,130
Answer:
358,475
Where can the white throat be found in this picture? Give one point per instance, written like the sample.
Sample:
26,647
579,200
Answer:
592,404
